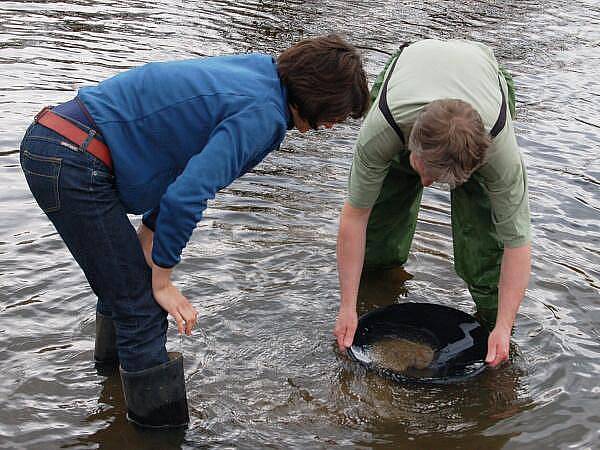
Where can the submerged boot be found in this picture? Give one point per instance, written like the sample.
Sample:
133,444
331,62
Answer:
155,397
105,350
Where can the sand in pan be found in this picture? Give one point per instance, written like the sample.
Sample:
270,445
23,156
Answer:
401,354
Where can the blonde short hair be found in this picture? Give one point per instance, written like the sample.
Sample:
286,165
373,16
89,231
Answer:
451,140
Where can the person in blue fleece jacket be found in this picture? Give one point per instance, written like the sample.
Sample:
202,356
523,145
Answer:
161,140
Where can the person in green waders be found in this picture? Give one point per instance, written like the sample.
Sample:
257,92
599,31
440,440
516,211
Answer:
441,113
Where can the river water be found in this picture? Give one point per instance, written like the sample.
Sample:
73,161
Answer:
263,370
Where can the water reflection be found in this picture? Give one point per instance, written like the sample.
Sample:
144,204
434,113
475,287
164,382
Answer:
434,416
113,430
427,416
381,288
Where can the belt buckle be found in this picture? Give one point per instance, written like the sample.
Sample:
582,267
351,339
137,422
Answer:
39,115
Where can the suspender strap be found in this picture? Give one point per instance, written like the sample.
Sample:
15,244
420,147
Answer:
499,125
385,110
383,104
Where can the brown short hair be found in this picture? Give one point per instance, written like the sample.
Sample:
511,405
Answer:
451,140
325,79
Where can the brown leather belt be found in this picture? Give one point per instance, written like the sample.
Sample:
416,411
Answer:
86,141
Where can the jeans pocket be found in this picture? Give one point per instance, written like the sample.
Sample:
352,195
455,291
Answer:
100,175
42,173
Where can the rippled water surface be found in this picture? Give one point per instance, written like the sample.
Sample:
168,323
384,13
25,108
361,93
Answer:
263,370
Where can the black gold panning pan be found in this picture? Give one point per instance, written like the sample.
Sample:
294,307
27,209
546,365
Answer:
452,343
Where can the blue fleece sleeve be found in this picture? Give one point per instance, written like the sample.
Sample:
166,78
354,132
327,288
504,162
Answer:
232,145
149,218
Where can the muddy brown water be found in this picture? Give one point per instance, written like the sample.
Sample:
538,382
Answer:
399,355
263,370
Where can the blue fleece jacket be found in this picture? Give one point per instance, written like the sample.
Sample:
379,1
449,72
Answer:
180,131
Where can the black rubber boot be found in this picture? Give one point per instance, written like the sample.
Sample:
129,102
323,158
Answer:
105,350
155,397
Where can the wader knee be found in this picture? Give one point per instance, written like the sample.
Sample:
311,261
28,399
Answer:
477,249
393,219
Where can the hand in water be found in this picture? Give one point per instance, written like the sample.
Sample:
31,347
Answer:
498,344
345,327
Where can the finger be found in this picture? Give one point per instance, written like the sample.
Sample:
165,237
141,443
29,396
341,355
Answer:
491,355
188,314
340,340
186,321
336,330
501,356
189,325
179,320
497,360
340,343
349,337
193,320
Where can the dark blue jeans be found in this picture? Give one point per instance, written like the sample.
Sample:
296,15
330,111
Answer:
78,194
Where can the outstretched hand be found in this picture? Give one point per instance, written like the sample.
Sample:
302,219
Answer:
345,327
173,301
179,307
165,293
498,344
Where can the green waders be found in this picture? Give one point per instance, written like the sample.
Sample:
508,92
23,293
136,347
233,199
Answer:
477,249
